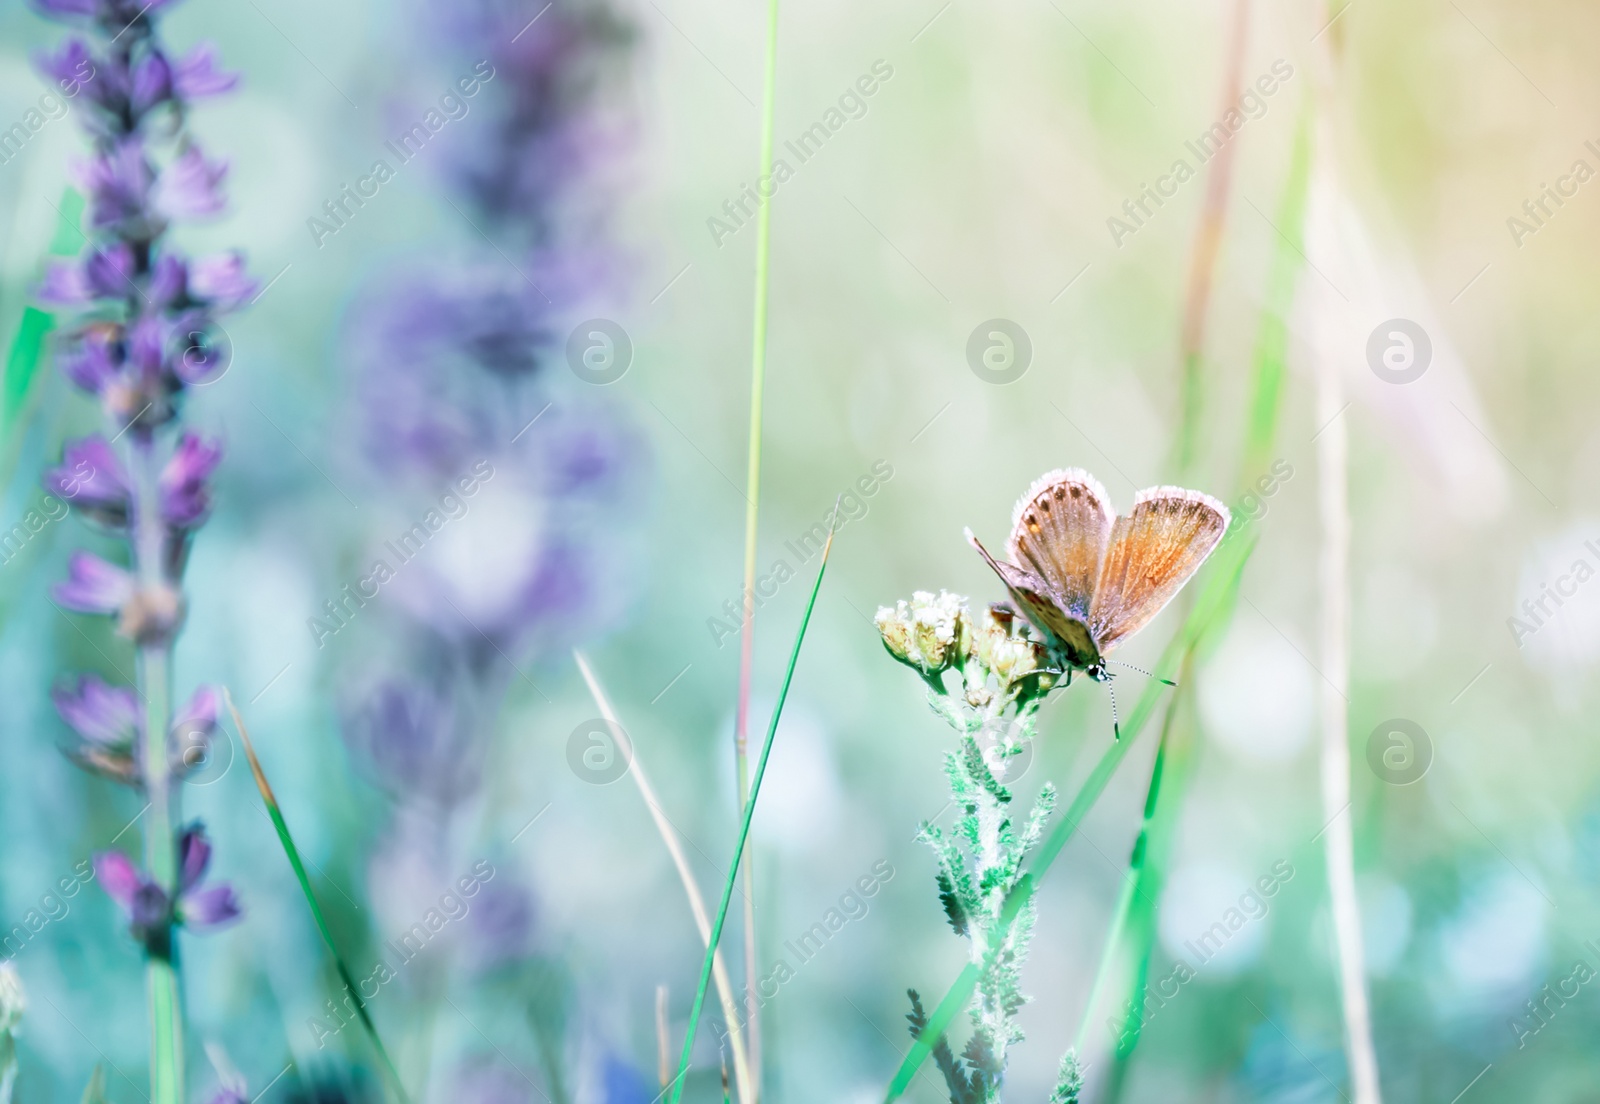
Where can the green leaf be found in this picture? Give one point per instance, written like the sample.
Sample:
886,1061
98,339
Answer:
22,365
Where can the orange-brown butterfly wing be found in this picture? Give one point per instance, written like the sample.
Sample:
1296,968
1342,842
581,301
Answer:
1154,551
1059,530
1068,635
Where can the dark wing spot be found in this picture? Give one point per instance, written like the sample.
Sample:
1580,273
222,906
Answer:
1077,491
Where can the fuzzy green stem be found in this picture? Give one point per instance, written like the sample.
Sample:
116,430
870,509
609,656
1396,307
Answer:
148,538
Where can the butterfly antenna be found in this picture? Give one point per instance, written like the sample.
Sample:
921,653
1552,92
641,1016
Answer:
1142,671
1116,729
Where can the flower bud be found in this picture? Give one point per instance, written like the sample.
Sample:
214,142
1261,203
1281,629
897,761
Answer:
929,633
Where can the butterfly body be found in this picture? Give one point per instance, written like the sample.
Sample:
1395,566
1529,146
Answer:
1087,579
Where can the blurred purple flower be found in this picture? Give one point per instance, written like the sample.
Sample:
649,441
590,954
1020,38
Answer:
104,715
152,82
221,280
169,281
90,360
118,180
93,585
196,74
191,187
502,923
68,64
185,497
413,737
92,479
149,909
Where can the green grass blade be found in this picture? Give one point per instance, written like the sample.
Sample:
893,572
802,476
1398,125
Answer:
1272,339
1216,599
345,976
95,1091
744,826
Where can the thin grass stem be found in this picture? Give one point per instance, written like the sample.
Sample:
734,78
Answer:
346,978
744,826
691,888
758,373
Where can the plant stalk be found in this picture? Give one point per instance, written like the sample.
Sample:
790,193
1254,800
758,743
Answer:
148,538
758,372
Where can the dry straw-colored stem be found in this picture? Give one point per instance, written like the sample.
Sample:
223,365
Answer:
697,905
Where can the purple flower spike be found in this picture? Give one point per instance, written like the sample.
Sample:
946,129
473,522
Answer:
191,187
185,498
104,715
152,83
197,75
91,478
69,66
94,586
221,280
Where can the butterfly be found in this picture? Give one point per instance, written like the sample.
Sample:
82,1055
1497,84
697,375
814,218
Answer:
1087,579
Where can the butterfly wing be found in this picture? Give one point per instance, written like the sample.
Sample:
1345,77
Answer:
1059,530
1067,634
1154,551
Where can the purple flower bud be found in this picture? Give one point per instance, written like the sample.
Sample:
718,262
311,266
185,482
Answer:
146,352
169,281
201,908
185,498
203,356
91,478
194,855
67,7
93,585
104,715
207,909
200,711
64,284
152,82
196,74
191,187
143,900
109,271
117,182
91,361
221,280
69,66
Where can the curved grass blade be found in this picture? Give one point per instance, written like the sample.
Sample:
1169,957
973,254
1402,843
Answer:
744,826
346,978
